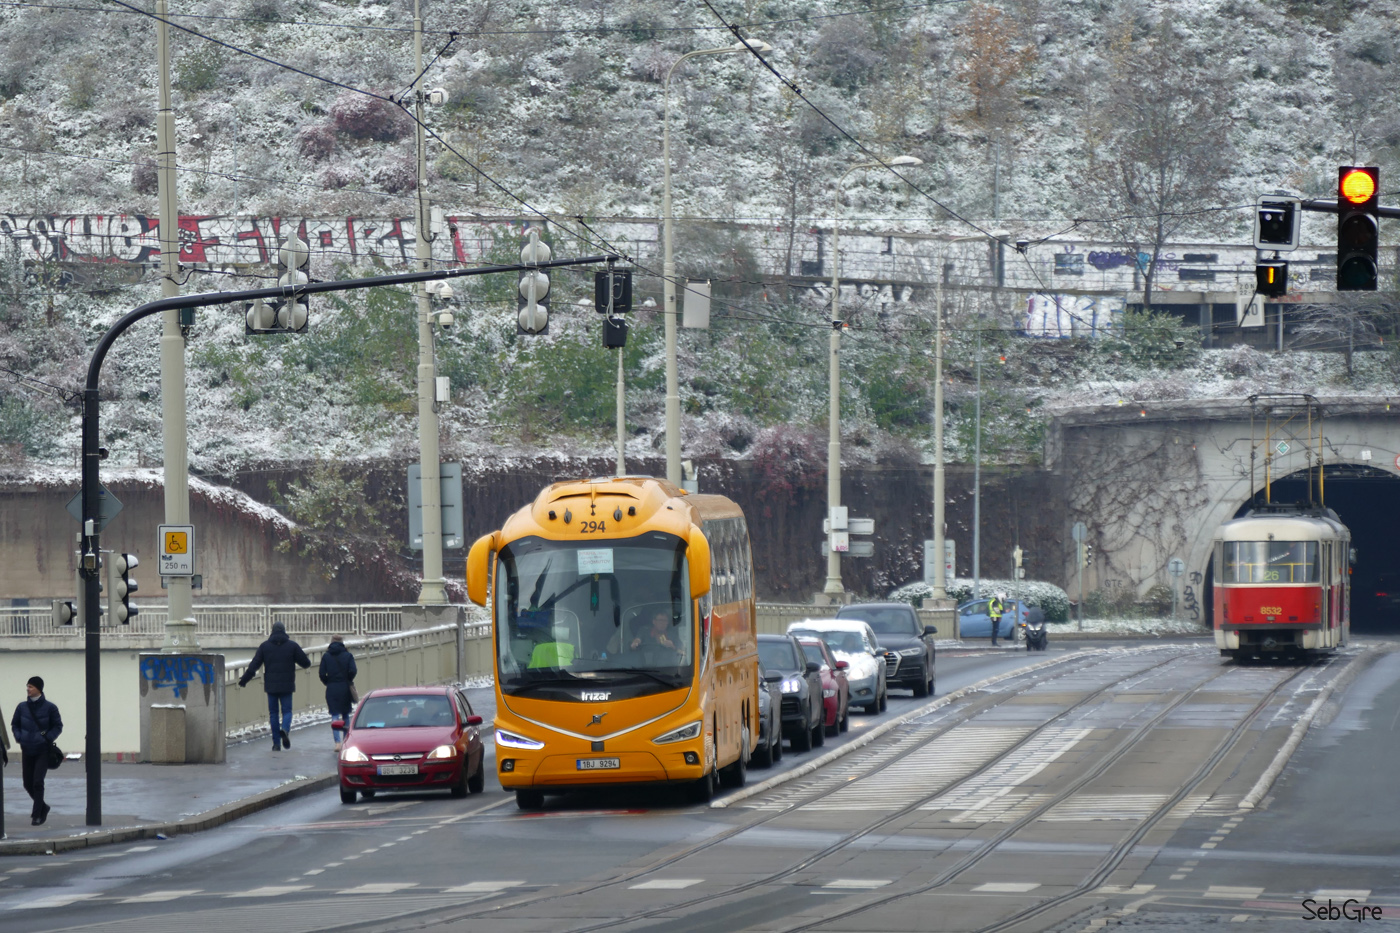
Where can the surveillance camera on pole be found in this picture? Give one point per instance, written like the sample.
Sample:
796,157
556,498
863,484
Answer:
533,301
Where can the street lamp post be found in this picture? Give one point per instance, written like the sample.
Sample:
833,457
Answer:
668,269
833,589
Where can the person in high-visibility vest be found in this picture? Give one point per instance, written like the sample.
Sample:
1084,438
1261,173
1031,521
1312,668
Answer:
995,608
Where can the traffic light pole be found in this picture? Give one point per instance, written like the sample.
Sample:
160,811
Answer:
1331,207
92,453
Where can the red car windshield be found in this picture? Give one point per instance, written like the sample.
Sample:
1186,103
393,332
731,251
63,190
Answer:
407,711
814,653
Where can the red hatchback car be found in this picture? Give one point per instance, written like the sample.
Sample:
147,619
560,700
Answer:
836,688
412,738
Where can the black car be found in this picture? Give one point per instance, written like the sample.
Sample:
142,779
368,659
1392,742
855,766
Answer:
908,645
770,726
800,683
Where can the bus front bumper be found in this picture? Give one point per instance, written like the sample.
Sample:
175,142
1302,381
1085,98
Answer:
592,769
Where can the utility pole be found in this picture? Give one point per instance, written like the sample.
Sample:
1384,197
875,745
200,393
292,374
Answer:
621,417
977,480
940,575
180,627
434,590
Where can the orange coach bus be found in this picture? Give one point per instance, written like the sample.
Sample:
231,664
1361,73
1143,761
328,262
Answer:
624,627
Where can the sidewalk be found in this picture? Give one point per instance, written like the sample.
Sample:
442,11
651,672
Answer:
140,801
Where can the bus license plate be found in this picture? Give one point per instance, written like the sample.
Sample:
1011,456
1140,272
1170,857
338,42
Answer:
398,769
598,764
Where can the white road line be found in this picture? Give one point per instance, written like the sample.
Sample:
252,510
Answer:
272,890
1356,894
55,900
1241,918
314,871
856,884
665,884
156,897
1233,893
20,871
1119,889
381,887
141,849
1007,887
482,887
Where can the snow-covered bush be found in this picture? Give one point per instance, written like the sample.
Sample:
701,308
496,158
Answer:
316,142
361,117
1051,600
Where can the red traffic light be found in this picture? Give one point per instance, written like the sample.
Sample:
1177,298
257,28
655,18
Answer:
1357,185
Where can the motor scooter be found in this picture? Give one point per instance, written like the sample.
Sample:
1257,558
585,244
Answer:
1033,631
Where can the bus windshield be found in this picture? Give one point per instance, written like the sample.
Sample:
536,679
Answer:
1270,562
612,611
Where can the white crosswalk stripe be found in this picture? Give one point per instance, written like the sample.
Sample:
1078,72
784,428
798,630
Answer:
156,897
275,890
381,887
665,884
482,887
984,791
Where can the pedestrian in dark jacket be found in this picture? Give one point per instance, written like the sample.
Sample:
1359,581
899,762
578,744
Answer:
36,724
280,657
338,673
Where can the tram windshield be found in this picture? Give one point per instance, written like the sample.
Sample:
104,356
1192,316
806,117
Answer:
613,612
1271,562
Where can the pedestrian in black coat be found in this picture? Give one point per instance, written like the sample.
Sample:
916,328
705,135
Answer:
280,657
338,672
36,724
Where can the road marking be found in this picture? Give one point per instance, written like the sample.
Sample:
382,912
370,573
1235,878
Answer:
272,890
141,849
855,884
376,809
156,897
380,887
482,887
403,839
665,884
1120,889
1225,891
56,900
1241,918
368,851
1007,887
20,871
1177,877
418,832
1356,894
334,864
314,871
1217,838
1207,845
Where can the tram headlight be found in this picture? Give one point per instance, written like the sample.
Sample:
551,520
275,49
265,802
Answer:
684,733
443,751
511,740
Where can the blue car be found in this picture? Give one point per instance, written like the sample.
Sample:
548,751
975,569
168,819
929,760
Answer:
973,621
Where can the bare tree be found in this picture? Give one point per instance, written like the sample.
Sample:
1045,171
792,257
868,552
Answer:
1158,145
1355,320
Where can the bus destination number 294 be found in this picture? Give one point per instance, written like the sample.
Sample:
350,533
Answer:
589,526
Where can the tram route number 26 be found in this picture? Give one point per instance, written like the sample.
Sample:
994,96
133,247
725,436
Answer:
1271,610
589,527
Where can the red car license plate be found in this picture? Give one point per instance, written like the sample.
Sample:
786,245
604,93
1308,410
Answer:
385,770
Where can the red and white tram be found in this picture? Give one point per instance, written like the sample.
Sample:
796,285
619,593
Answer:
1281,585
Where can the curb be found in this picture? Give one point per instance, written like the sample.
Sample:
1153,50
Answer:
190,824
880,730
1295,738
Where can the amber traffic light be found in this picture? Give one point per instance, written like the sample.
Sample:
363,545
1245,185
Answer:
1358,232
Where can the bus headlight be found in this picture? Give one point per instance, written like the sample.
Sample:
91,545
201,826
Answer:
680,735
511,740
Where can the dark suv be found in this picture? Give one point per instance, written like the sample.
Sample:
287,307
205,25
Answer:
800,683
908,645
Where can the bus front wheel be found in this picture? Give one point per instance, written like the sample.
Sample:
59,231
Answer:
529,799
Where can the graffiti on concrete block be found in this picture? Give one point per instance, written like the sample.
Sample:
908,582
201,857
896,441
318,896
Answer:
176,672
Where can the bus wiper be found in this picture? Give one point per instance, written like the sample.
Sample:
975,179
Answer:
665,681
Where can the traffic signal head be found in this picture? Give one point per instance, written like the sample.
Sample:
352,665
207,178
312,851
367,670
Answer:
1276,223
612,292
64,612
1271,278
120,588
533,300
294,269
1358,232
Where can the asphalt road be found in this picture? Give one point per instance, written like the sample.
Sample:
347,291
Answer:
958,820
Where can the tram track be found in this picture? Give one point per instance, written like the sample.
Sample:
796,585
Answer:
1115,856
963,716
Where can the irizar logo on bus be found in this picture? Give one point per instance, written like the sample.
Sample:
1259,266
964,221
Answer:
594,695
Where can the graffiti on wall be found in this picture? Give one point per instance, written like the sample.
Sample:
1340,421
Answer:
235,241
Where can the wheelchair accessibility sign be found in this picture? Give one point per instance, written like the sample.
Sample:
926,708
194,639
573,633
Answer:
176,546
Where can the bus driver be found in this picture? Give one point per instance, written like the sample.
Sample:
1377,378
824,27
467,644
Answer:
656,635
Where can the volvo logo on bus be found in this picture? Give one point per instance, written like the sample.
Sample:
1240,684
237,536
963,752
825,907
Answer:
595,695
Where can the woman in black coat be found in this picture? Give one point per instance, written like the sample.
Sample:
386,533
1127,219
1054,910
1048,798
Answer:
338,674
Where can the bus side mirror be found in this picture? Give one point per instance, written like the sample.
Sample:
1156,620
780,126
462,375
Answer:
699,554
478,567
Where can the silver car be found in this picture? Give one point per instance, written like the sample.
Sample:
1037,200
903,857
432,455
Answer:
853,641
